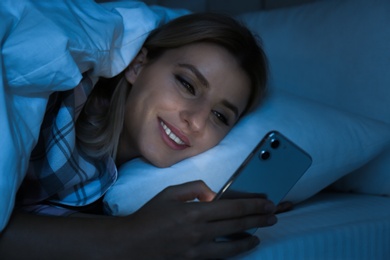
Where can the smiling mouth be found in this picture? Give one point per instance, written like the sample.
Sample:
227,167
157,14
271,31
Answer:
171,135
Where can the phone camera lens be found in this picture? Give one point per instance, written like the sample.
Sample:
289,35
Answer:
275,143
264,155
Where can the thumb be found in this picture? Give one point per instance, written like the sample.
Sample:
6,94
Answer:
190,191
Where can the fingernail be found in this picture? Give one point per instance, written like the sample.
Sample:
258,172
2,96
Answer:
272,220
256,241
269,207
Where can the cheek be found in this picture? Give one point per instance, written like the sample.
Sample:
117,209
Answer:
152,100
213,137
162,94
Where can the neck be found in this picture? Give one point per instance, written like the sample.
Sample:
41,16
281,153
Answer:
125,151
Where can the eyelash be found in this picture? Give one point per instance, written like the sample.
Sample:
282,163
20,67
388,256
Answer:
221,117
188,87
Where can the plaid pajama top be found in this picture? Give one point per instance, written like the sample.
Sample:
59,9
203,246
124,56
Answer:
59,173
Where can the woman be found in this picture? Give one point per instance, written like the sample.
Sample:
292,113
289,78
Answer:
191,82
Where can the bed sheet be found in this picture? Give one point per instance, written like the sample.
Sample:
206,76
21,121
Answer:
329,226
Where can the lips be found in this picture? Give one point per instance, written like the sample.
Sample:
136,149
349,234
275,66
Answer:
173,137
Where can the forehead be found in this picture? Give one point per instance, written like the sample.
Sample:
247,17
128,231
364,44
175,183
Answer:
226,79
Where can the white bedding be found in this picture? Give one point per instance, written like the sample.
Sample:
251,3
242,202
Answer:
329,226
45,47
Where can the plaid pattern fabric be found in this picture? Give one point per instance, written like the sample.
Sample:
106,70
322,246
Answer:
59,172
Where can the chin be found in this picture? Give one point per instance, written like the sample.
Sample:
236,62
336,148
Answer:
161,163
164,159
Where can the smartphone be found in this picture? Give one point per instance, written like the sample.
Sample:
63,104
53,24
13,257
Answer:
271,170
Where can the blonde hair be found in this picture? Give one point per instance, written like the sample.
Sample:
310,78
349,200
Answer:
100,123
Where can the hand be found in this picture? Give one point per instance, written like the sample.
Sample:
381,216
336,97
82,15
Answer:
169,226
284,207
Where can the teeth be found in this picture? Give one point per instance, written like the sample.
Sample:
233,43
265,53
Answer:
172,135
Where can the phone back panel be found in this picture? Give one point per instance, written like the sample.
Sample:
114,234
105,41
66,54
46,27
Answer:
272,169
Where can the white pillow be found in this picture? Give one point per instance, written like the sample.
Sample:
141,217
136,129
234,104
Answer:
335,52
372,178
338,142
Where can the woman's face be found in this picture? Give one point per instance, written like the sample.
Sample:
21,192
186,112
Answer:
182,103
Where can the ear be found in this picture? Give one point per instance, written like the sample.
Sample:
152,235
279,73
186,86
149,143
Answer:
135,67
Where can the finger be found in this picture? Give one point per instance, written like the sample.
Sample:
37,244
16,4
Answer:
228,209
284,206
227,227
232,194
189,191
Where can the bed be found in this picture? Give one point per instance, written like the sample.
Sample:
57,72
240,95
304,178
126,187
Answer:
329,225
329,93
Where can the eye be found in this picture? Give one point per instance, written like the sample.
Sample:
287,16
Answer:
186,85
221,117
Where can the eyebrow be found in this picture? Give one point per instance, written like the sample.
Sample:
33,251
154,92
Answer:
232,107
196,72
204,82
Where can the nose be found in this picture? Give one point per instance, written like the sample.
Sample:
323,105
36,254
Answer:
196,117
